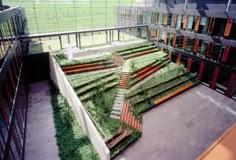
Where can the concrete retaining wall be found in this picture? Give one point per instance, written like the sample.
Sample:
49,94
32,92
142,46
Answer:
60,80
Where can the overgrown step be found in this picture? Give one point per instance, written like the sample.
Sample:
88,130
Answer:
118,103
136,54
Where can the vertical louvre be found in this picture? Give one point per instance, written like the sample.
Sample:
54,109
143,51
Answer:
195,48
196,26
214,78
225,53
228,27
184,42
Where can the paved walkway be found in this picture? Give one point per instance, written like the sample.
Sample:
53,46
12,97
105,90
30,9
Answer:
181,128
40,133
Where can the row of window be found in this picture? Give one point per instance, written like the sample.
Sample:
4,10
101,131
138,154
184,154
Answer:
12,110
219,27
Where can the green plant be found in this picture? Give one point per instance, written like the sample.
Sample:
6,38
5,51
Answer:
73,144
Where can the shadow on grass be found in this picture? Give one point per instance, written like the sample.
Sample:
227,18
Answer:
72,142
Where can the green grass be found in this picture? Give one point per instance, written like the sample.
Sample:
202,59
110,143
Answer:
164,74
99,105
53,16
149,102
146,94
63,61
82,79
72,142
137,63
133,47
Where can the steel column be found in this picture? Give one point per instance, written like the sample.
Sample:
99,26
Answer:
231,83
178,59
200,70
189,63
214,78
195,48
225,54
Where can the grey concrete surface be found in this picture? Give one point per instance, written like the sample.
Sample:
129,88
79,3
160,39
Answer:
40,131
181,128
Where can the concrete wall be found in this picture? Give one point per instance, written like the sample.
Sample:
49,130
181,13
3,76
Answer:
60,80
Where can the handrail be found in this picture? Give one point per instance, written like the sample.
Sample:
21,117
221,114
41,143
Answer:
41,35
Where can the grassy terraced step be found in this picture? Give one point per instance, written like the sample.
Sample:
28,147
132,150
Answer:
134,47
177,91
132,94
92,68
93,85
92,92
153,102
78,66
136,54
135,50
134,80
149,65
162,88
63,61
77,85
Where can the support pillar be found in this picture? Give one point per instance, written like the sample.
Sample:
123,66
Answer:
157,34
174,40
195,48
174,20
150,33
169,55
231,83
225,54
211,24
196,26
185,19
178,59
184,42
200,70
214,78
189,63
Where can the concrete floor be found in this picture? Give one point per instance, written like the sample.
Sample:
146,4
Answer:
181,128
40,131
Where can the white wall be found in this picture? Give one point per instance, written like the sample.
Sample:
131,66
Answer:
82,117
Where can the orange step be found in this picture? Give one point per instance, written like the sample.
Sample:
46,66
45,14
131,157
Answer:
179,90
145,74
142,70
118,139
85,69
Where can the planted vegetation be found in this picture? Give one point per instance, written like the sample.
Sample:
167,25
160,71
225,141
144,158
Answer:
151,79
63,61
72,142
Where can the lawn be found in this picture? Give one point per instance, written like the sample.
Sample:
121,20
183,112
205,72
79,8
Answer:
57,15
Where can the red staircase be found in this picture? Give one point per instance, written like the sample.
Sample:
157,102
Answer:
117,59
129,118
119,137
124,80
